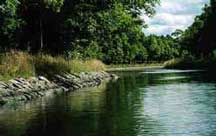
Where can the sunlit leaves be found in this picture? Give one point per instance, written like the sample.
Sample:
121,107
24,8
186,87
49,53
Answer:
9,21
54,4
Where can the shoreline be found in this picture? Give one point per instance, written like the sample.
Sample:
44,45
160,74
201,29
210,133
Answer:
132,68
24,90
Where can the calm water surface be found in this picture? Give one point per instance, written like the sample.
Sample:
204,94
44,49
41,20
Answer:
153,102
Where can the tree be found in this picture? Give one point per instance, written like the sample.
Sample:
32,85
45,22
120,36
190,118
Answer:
38,15
9,23
103,29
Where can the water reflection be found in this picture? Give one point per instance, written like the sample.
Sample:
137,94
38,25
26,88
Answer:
138,104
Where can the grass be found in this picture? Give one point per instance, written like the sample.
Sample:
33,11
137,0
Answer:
20,64
49,66
16,64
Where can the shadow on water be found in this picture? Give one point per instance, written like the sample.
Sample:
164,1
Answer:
145,103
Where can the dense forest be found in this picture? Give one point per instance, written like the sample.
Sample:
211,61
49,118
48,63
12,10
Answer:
111,31
107,30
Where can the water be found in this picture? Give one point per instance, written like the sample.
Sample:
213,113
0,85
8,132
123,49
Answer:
154,102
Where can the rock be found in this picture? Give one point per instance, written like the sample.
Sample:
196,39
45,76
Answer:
20,89
113,76
3,85
33,80
43,79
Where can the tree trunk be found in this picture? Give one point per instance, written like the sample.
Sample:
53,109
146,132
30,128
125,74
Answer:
41,35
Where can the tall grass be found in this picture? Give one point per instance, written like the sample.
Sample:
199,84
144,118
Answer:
94,65
16,64
20,64
48,65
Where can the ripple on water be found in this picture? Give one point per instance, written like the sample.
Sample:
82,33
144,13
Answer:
166,71
186,108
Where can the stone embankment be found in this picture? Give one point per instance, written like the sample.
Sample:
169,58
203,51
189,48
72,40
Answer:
22,90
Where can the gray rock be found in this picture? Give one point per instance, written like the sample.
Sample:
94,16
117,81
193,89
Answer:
20,89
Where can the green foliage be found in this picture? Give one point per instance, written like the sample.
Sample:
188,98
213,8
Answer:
110,30
161,48
123,41
9,23
112,35
54,4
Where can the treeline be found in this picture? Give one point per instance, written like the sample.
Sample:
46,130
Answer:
162,48
107,30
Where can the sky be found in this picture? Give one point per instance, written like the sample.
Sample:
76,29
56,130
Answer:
172,15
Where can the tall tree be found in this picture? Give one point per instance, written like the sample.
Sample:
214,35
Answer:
39,17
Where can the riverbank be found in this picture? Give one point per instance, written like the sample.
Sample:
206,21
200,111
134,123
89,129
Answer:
133,67
191,63
22,90
24,77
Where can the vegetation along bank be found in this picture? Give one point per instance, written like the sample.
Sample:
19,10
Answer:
34,76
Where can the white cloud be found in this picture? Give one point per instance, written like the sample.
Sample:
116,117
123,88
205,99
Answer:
162,29
171,19
172,15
